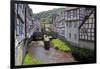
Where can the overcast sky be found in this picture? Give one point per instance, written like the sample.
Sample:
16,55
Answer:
40,8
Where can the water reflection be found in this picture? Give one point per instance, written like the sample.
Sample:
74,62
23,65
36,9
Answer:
51,56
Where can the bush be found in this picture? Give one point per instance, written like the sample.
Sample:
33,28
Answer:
58,44
80,54
83,54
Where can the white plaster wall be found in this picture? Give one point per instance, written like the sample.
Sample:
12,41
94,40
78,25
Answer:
73,31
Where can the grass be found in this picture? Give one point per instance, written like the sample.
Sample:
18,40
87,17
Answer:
58,44
31,61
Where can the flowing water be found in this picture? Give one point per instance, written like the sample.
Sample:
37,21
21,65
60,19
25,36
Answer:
36,50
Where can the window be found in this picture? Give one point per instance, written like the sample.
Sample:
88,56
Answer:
70,24
86,25
75,24
17,27
63,23
31,26
21,30
19,5
92,30
68,14
92,38
75,36
67,24
69,35
91,20
86,37
89,38
75,13
23,10
82,11
92,34
80,33
72,14
90,25
93,25
62,32
82,36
